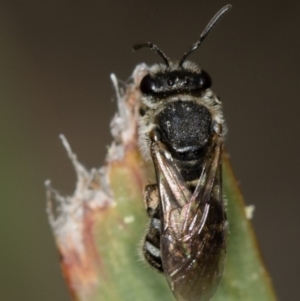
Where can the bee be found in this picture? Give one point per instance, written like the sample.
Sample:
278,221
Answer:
182,129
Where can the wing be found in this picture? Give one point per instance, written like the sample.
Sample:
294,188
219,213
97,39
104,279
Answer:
193,224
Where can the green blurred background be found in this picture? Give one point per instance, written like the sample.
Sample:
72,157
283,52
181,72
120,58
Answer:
55,62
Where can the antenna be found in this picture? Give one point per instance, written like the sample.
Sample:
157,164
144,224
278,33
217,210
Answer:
206,31
155,49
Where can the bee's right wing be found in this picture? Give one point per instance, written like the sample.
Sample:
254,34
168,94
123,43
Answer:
193,224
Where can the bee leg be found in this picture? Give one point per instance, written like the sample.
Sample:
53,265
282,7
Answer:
151,199
151,246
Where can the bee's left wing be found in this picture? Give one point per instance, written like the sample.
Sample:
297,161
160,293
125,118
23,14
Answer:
193,224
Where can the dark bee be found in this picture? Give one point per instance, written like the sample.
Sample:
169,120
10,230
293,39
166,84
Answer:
182,129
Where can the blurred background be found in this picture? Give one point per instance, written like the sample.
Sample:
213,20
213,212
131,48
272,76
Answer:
55,62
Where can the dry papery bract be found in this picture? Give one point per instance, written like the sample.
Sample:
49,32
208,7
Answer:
72,218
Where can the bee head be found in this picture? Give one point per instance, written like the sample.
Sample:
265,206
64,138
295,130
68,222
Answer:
173,82
178,77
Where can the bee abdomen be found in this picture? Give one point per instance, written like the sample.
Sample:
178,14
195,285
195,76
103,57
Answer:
190,170
151,247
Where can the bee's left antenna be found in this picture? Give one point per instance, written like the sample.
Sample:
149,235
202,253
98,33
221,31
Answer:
206,31
155,49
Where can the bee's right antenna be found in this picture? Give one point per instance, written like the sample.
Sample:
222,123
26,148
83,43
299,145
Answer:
206,31
154,48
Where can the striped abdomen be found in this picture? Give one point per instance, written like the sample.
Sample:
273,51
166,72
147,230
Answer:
151,247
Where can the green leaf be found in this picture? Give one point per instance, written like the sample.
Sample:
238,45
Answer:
100,228
245,277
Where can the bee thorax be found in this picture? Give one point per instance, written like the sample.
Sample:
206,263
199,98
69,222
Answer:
185,128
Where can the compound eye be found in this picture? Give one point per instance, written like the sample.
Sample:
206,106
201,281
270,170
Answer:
148,85
204,80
